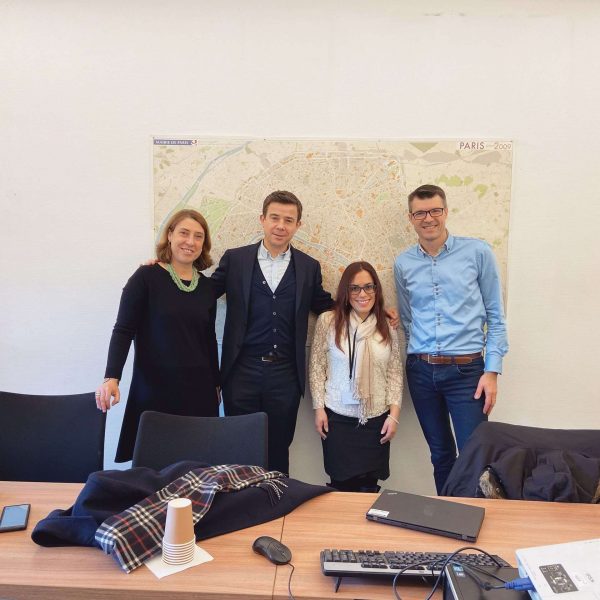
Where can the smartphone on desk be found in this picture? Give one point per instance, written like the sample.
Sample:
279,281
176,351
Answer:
14,517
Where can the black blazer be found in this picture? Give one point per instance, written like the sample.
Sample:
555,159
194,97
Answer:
233,277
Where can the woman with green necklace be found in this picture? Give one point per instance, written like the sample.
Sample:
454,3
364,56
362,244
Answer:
168,309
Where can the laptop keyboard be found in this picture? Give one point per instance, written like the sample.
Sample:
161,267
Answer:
373,563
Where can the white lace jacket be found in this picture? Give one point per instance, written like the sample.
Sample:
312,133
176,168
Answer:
328,372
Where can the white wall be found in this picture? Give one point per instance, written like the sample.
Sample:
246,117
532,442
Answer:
85,85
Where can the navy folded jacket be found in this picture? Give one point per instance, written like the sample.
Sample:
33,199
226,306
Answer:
107,493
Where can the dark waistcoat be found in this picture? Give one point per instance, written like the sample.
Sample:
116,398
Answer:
271,315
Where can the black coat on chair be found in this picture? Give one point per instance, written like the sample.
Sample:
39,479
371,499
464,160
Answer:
530,463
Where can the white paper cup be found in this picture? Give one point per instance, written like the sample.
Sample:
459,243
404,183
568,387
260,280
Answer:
178,554
179,526
178,559
175,553
179,546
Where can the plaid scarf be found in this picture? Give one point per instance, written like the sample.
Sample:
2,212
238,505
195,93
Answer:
136,534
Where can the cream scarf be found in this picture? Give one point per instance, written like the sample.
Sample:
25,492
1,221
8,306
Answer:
362,376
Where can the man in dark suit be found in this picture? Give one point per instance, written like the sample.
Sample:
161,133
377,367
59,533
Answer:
271,287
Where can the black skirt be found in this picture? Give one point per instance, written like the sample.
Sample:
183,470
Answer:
353,450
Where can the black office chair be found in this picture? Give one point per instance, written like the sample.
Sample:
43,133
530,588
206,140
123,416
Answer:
164,439
50,438
501,460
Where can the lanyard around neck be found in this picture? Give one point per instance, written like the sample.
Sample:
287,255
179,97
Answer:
351,349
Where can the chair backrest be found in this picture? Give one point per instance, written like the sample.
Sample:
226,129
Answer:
50,438
515,451
164,439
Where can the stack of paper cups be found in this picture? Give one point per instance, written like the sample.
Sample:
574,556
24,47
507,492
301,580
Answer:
179,540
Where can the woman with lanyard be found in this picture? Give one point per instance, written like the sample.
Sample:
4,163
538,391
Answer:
356,381
168,309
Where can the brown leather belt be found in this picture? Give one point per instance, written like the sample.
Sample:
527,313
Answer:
460,359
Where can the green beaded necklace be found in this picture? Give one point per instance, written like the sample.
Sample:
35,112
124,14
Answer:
184,288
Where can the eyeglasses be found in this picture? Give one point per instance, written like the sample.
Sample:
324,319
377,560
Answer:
419,215
369,289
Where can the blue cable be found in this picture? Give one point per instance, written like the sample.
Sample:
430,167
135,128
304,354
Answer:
521,584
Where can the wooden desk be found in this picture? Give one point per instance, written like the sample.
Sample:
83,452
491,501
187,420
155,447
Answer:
31,572
335,520
338,520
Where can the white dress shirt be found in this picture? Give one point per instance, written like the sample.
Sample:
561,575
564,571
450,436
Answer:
273,268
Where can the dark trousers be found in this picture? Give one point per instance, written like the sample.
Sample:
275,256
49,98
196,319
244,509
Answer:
440,393
271,387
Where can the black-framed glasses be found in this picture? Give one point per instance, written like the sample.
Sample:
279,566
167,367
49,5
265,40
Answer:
368,288
419,215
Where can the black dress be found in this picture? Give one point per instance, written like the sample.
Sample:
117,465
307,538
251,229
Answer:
176,368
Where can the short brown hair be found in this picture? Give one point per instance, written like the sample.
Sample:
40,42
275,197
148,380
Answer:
424,192
282,197
163,248
342,307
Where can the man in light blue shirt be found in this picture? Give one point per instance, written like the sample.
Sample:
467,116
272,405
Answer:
450,302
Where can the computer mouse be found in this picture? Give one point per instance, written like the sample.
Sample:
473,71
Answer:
272,549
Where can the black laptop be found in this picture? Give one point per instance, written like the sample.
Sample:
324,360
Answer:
462,585
432,515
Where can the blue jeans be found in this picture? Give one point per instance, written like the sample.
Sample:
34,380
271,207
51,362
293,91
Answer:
441,392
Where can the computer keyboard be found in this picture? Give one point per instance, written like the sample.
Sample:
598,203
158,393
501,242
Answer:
373,563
